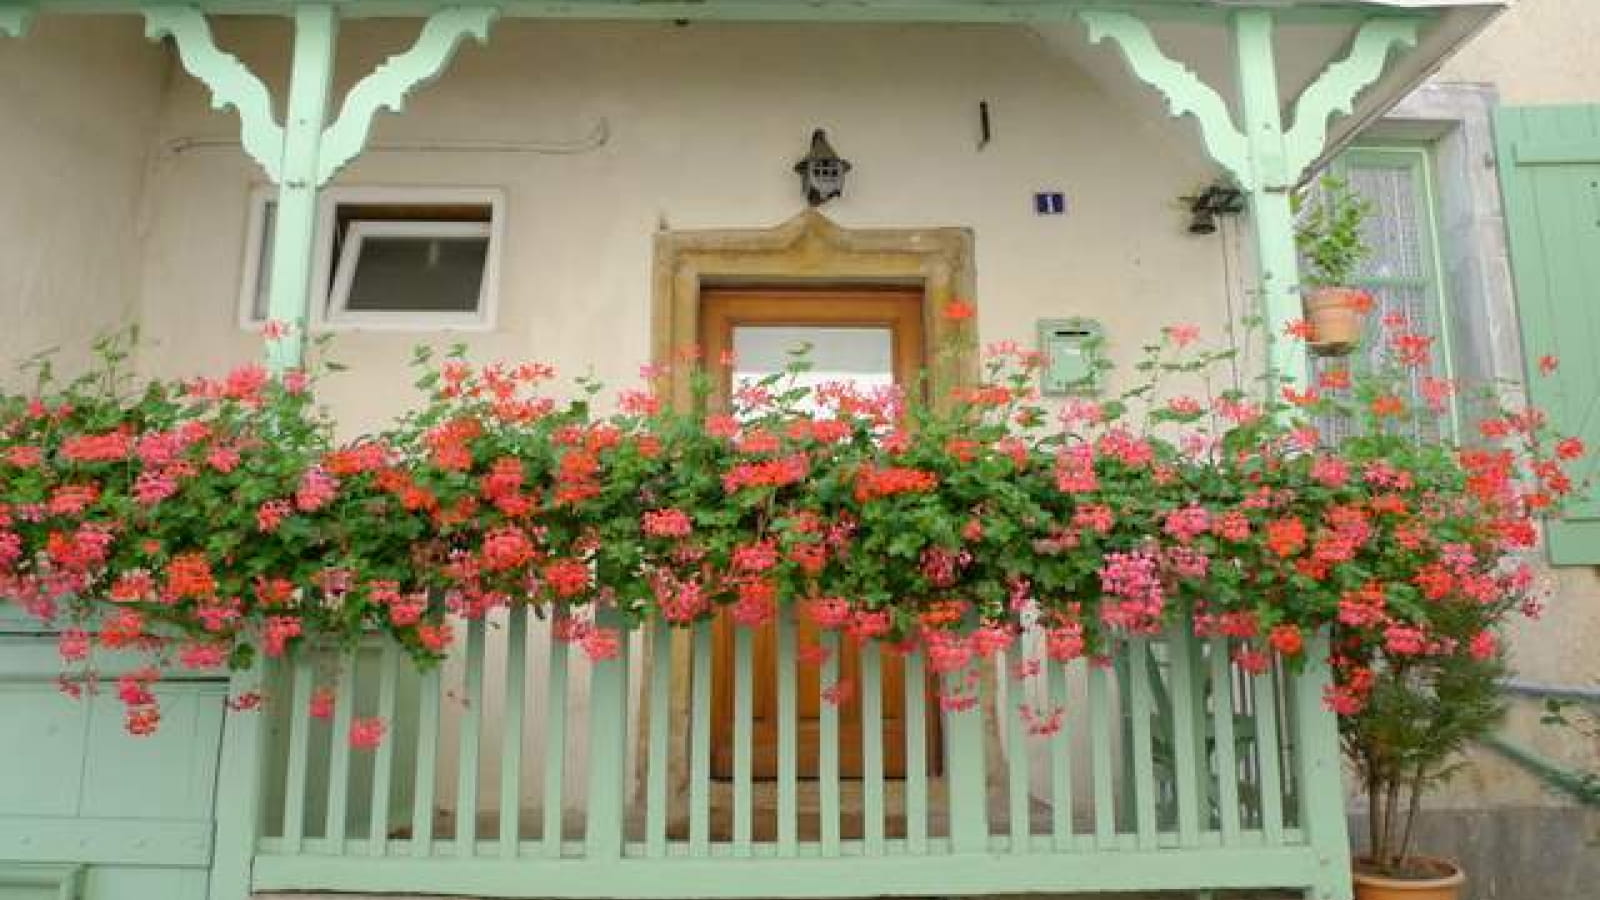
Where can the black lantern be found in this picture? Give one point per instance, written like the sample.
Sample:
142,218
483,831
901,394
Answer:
1216,200
822,171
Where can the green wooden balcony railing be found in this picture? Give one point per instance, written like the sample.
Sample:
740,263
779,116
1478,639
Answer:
528,771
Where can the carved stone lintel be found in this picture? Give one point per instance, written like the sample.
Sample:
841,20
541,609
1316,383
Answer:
387,86
231,82
1185,93
1335,90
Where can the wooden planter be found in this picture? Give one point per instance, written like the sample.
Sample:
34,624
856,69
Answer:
1334,314
1446,885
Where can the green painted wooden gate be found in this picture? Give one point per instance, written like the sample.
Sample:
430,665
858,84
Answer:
87,812
1550,178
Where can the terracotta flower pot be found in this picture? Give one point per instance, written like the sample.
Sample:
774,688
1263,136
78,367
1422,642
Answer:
1444,881
1334,314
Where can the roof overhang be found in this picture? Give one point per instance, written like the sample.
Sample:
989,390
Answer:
928,11
1311,34
1310,38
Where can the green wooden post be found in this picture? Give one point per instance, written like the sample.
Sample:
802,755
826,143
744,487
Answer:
1322,817
239,792
608,748
660,733
1269,184
295,226
966,770
16,20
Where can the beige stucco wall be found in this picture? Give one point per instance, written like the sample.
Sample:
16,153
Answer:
1540,51
704,124
79,99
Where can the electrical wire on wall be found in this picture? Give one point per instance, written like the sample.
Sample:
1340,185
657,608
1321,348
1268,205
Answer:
1228,232
598,137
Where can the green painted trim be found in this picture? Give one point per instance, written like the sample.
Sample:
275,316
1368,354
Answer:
966,770
387,86
1335,91
470,742
685,877
511,730
66,879
241,772
316,28
106,841
231,82
16,20
866,11
1318,782
1548,212
660,733
1185,93
1555,153
1583,788
606,803
1272,217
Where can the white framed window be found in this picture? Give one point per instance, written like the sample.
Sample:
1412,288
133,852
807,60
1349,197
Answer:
1404,273
397,259
255,285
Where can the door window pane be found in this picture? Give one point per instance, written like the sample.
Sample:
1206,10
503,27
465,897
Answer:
860,356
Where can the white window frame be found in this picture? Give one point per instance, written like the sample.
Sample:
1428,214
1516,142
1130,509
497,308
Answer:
355,237
324,265
255,243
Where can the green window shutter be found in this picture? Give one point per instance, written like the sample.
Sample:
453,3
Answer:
1549,161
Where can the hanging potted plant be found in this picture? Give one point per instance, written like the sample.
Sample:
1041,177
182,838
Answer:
1328,234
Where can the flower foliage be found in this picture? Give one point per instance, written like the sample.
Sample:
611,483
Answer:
210,522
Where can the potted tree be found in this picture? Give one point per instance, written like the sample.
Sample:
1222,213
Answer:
1420,713
1328,234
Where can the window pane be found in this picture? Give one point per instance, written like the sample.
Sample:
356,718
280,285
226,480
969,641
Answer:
269,219
1393,231
1399,274
418,274
862,356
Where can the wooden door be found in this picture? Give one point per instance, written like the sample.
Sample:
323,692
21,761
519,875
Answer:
868,335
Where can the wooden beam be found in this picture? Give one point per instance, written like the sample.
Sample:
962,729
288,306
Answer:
931,11
1185,93
1268,186
232,83
294,229
1336,89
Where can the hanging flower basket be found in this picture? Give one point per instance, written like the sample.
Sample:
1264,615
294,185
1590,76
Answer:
1335,316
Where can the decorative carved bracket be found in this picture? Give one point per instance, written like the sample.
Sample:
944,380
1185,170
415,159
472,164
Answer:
1185,93
1335,90
231,82
15,19
387,86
